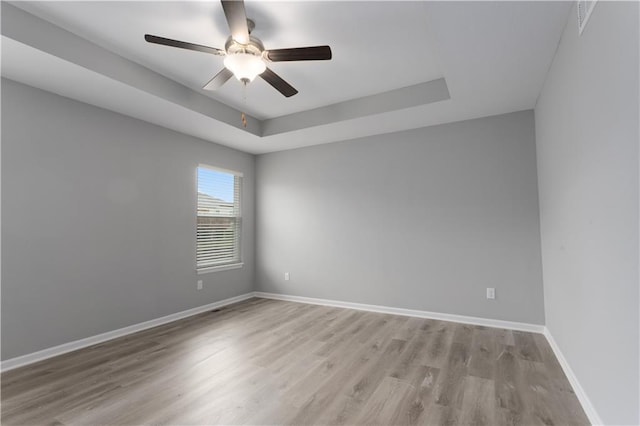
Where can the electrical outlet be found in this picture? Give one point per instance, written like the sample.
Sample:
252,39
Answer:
286,276
199,284
491,293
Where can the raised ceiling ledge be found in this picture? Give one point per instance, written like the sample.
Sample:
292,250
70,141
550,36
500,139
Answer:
393,100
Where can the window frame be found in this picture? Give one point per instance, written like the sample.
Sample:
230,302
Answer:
226,266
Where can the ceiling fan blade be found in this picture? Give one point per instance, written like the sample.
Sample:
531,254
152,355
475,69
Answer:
278,83
237,20
313,53
183,45
218,80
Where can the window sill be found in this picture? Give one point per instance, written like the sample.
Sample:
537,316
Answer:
220,268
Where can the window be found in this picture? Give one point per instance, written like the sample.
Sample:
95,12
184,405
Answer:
219,221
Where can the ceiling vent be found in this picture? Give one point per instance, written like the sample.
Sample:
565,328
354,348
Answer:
585,7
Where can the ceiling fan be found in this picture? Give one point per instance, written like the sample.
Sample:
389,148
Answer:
245,55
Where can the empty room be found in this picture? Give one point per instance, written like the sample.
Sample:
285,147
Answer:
320,212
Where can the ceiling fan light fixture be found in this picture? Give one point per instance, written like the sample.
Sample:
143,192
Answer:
245,66
245,55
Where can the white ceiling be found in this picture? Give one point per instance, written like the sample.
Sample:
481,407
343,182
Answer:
492,55
350,28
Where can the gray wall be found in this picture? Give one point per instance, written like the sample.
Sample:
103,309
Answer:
424,219
98,221
587,143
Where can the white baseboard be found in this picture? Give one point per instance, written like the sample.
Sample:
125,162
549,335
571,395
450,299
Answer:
99,338
509,325
593,416
589,409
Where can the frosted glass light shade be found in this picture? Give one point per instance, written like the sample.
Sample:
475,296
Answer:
245,66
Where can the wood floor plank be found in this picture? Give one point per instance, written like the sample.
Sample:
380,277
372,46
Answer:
441,415
483,354
412,409
450,386
411,357
384,403
275,362
508,388
526,346
478,407
440,339
357,391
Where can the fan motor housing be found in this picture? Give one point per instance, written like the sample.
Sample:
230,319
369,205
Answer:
254,47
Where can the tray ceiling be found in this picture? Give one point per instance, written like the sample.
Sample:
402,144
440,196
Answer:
395,66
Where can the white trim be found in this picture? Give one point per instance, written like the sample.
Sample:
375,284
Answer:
510,325
219,268
593,416
220,169
589,409
23,360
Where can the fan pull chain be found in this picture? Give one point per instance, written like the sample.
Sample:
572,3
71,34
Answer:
243,117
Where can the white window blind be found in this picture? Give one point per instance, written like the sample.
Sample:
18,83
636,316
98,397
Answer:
219,221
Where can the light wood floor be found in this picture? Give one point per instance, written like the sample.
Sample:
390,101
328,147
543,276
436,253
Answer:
272,362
